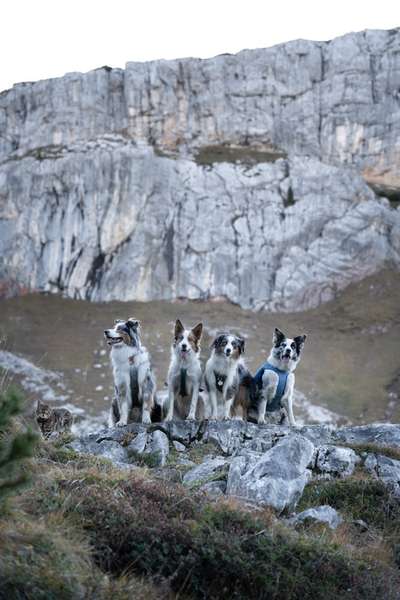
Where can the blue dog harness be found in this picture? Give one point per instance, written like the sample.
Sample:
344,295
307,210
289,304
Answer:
280,390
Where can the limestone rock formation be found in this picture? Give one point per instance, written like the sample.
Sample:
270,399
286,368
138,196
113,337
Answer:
239,176
263,465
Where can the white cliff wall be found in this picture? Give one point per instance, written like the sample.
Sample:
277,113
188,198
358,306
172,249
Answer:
102,195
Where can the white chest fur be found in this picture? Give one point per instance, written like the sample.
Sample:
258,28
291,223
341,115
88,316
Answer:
223,365
120,361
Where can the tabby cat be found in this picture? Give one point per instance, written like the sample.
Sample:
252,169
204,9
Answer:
52,420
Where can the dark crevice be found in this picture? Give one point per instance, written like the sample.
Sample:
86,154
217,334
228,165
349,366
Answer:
95,272
169,251
390,193
245,154
289,199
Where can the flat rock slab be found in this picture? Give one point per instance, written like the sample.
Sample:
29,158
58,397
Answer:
206,471
384,434
111,450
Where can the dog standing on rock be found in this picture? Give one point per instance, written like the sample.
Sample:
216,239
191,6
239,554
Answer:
274,380
223,374
184,373
134,380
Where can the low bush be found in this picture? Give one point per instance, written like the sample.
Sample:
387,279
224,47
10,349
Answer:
214,551
365,499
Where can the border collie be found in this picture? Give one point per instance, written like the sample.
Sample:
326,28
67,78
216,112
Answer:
133,375
274,380
223,375
184,373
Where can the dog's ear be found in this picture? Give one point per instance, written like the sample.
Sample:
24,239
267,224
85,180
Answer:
179,328
217,341
241,344
278,337
133,323
197,331
299,341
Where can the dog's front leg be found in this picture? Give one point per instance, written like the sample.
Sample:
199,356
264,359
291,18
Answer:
287,399
147,393
146,408
124,391
171,401
193,403
228,395
269,385
114,411
213,401
262,405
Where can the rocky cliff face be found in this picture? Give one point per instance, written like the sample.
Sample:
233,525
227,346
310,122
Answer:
239,176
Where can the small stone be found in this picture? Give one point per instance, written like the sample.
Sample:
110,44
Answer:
138,444
320,514
158,445
205,471
179,447
214,489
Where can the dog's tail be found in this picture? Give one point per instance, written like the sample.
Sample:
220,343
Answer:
245,377
246,380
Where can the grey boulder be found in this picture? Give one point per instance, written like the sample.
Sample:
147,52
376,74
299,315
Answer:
277,478
336,461
386,469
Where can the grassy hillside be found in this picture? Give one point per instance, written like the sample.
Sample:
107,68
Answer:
85,529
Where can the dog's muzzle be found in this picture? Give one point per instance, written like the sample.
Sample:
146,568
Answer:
110,339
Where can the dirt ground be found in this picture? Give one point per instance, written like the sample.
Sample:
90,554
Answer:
351,361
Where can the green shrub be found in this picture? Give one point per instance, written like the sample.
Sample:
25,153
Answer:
15,446
366,499
161,531
37,562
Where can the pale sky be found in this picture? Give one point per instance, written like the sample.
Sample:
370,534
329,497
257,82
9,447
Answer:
42,38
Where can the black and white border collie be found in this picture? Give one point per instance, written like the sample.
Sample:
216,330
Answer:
184,373
134,380
275,379
223,373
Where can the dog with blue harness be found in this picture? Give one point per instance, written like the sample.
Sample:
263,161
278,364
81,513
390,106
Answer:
274,380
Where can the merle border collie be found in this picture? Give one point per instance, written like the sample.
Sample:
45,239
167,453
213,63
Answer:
134,380
224,373
274,380
184,373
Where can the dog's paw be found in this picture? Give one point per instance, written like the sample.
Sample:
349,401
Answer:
261,421
191,417
120,424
